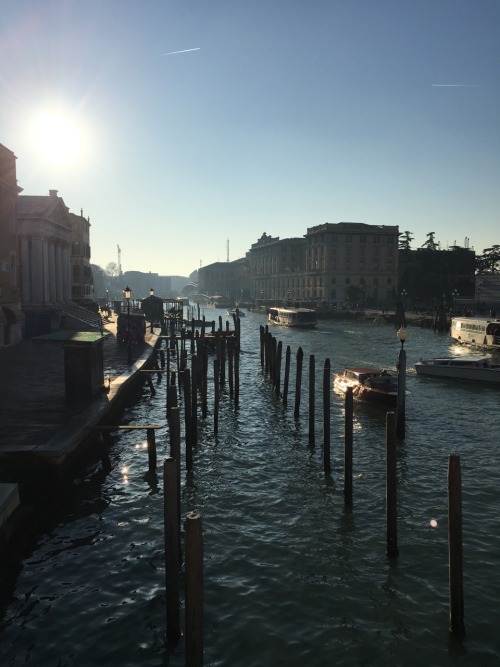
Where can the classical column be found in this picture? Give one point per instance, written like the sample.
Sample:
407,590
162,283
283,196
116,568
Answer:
52,273
26,290
59,274
36,265
67,278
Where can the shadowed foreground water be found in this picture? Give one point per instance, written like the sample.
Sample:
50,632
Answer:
291,577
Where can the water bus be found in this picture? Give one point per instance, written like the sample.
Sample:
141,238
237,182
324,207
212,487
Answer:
293,317
479,331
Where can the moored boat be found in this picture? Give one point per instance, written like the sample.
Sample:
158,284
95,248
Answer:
475,369
293,317
479,331
370,385
235,312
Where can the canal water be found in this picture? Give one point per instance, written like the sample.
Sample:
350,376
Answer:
291,577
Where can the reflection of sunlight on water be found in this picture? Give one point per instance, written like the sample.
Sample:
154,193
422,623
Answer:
434,523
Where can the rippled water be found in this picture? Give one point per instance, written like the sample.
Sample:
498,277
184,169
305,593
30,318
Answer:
291,577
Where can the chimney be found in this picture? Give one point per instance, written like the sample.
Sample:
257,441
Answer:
53,193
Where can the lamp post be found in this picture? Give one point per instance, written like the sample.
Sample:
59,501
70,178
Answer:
151,294
127,294
400,415
454,295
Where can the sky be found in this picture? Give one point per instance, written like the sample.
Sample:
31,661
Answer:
185,129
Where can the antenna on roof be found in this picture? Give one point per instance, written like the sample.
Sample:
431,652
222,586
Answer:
227,250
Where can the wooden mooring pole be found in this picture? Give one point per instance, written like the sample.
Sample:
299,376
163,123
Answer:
327,466
286,379
455,548
312,397
391,493
298,382
194,591
348,433
172,549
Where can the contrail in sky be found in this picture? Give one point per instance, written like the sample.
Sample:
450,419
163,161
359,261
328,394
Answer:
171,53
453,85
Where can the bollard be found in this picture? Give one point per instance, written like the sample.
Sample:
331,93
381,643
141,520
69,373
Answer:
455,547
312,397
150,437
298,382
327,466
391,487
348,430
172,549
194,591
287,376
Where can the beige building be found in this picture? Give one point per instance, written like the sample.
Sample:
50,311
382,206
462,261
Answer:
332,264
226,279
11,317
82,288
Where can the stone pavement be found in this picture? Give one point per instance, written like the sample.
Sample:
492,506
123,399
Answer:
34,416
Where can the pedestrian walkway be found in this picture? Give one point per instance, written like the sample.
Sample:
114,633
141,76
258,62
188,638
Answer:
36,420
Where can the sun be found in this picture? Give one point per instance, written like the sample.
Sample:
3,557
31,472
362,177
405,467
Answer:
57,138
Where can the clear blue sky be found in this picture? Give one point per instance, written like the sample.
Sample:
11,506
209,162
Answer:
279,115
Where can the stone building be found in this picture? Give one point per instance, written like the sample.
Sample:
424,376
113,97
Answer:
225,279
46,239
82,287
11,316
332,264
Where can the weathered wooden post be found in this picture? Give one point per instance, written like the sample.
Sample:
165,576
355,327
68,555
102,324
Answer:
400,423
455,547
194,399
326,417
172,549
194,591
286,379
237,374
175,453
216,396
230,367
277,380
348,433
262,346
188,419
150,438
298,382
274,355
204,388
312,397
391,486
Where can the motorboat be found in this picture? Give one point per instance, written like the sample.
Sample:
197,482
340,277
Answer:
235,312
476,369
375,386
293,317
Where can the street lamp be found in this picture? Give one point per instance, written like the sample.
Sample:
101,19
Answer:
151,294
127,294
454,295
402,335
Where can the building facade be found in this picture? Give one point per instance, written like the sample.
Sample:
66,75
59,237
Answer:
82,284
225,279
11,316
343,263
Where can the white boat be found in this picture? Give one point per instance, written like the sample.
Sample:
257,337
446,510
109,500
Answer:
293,317
476,369
369,385
479,331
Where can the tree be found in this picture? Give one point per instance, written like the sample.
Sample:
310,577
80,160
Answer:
430,244
405,241
112,269
489,261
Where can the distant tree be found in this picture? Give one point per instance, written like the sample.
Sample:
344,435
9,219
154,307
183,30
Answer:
112,269
489,261
430,244
405,241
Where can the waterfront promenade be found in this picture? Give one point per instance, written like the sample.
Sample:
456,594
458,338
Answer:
36,421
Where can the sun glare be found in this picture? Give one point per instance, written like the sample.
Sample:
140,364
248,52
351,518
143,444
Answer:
57,138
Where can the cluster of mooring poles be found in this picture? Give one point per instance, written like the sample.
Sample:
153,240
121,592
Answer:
187,387
271,360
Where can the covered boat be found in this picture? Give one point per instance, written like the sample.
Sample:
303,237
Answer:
476,369
370,385
293,317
